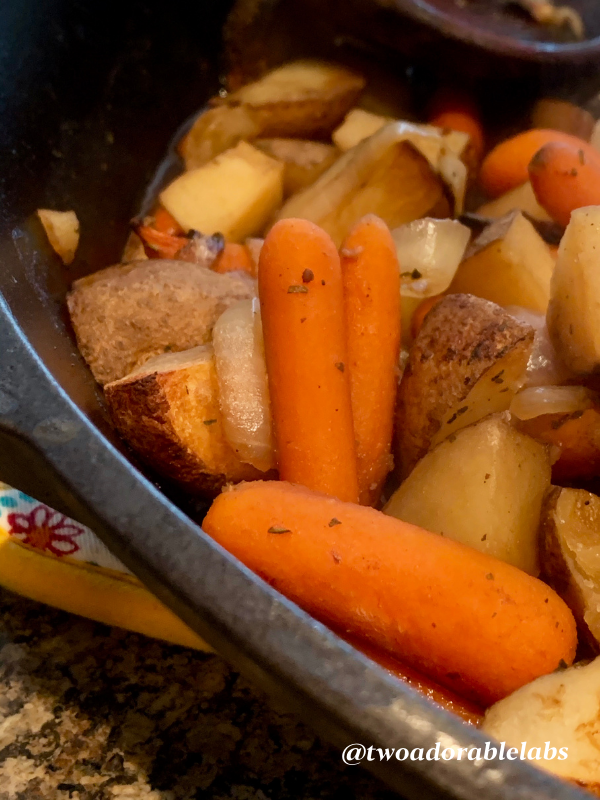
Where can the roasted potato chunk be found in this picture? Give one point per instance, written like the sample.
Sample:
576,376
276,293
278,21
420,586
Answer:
215,131
303,161
570,552
520,199
302,99
357,126
124,315
234,194
483,487
509,264
468,361
168,412
62,230
574,311
559,714
385,175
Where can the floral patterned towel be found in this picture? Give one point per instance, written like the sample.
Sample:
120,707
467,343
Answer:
39,526
48,557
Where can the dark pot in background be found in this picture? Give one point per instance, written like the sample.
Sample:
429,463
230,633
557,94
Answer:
90,95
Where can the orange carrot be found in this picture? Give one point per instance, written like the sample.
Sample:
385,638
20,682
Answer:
371,278
477,625
159,244
470,712
565,177
454,109
302,304
578,437
234,258
166,223
506,167
421,311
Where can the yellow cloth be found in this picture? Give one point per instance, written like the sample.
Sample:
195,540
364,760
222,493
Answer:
48,557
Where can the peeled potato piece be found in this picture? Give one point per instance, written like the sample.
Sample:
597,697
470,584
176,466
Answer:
234,194
558,717
467,362
520,199
574,311
509,264
484,487
62,230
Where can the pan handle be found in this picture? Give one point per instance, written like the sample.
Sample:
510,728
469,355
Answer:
54,452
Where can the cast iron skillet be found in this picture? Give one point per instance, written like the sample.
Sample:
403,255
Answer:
90,93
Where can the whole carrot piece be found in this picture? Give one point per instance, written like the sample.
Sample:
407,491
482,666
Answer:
421,311
455,109
302,308
234,258
577,436
371,278
506,166
564,177
469,711
470,622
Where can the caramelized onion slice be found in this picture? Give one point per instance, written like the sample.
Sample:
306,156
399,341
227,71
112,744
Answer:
243,387
429,251
538,400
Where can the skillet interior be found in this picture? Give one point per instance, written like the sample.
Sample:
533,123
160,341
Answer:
88,108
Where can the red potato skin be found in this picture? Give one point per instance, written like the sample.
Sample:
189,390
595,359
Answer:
474,624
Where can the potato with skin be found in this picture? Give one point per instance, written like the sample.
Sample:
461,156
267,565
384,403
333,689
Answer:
386,175
561,709
484,487
509,264
303,161
570,553
234,194
302,99
168,412
216,130
124,315
573,316
467,362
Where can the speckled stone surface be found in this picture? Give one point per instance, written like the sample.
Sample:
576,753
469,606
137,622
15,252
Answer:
93,713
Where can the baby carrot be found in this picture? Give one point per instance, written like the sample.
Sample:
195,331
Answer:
371,278
468,621
454,109
302,305
234,258
421,312
159,244
578,437
506,167
470,712
166,222
565,177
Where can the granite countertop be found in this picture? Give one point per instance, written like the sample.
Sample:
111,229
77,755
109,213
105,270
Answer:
95,713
